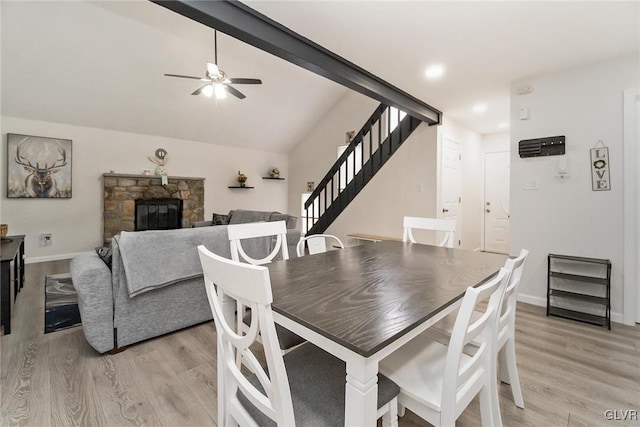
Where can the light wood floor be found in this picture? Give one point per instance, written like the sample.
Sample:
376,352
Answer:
571,373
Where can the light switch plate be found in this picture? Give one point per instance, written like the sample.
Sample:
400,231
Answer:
530,183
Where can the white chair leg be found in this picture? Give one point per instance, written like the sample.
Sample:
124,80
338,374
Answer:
503,371
390,418
401,410
490,406
510,356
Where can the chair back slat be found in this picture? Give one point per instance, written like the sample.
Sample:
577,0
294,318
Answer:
250,285
448,226
239,232
470,368
508,310
316,243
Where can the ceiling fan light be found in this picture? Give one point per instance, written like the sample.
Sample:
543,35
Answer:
208,91
221,93
212,69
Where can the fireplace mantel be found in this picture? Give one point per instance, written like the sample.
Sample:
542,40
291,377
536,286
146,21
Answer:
122,190
125,175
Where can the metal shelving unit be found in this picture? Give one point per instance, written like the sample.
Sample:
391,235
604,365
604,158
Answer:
593,289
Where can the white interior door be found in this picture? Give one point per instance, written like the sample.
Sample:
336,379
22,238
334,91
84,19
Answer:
631,292
496,202
451,187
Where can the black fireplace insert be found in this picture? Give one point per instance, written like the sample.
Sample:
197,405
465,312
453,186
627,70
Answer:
158,214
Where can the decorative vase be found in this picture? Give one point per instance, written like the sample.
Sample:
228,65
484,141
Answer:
242,178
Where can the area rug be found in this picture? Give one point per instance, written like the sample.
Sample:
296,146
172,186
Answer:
60,303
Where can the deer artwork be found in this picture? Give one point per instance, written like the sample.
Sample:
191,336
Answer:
40,182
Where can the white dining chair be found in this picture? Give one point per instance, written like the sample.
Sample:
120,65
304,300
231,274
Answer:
305,387
317,243
506,346
437,382
448,226
261,230
239,235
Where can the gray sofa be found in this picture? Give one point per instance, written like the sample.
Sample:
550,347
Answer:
240,216
154,287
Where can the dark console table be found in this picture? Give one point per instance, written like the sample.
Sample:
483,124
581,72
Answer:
11,250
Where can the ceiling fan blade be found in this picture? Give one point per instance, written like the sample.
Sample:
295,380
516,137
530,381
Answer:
235,92
213,69
183,77
199,90
240,81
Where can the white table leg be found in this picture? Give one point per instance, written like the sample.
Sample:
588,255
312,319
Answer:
361,397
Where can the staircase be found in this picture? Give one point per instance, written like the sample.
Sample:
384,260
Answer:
380,137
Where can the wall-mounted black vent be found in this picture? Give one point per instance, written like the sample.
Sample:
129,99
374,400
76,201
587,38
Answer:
158,214
550,146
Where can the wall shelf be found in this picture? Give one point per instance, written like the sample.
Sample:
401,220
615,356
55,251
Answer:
572,280
271,177
237,186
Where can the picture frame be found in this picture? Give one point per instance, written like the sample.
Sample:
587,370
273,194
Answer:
38,167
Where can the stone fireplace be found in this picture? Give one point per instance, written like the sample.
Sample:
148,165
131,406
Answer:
158,214
121,192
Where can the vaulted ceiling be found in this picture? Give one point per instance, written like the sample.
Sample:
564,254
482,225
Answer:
101,64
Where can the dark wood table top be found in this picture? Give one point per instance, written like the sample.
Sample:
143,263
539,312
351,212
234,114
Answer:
9,246
365,297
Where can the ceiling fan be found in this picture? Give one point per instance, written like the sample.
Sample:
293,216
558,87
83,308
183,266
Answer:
217,81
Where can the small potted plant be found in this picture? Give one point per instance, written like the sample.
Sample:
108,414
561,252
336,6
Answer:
275,173
242,179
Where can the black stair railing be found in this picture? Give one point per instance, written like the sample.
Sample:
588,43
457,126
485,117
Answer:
378,139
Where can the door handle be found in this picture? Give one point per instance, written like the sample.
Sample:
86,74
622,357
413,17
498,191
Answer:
445,210
488,210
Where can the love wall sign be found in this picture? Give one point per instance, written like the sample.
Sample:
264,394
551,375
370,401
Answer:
600,167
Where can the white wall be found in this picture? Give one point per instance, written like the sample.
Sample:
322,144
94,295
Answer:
496,142
392,193
76,223
568,217
406,185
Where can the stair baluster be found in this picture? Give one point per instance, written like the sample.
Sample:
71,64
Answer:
344,186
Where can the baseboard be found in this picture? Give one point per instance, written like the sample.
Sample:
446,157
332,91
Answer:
530,299
34,260
542,302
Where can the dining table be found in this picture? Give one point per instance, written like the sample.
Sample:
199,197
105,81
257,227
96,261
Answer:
363,302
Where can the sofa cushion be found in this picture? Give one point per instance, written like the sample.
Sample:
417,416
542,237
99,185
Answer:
241,216
290,220
220,219
105,255
197,224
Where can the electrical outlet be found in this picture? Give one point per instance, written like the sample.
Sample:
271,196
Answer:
45,239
